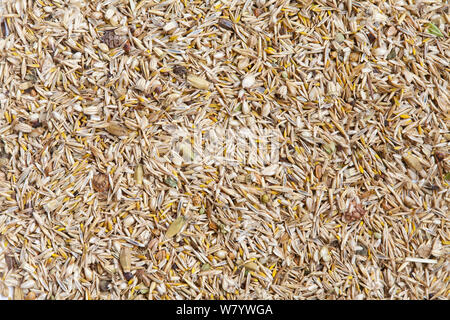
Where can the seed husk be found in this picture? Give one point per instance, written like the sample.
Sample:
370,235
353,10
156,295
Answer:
413,162
339,37
139,174
116,129
125,259
252,266
176,226
198,82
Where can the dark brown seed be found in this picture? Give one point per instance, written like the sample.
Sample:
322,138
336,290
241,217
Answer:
439,155
180,71
226,24
128,275
100,182
36,124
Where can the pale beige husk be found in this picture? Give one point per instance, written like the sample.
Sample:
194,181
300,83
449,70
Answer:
356,93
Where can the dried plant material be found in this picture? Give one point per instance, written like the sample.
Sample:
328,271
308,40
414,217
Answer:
100,182
339,37
412,162
116,129
295,123
198,82
197,200
125,259
176,226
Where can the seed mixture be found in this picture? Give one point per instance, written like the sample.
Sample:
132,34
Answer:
97,200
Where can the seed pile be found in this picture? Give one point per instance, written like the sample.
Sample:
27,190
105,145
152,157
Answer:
98,202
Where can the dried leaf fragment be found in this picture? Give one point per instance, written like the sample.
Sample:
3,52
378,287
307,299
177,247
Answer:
176,226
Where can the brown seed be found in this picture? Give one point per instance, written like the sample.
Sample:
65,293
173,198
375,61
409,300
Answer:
128,275
160,255
226,24
141,275
100,182
318,171
111,39
258,12
127,46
